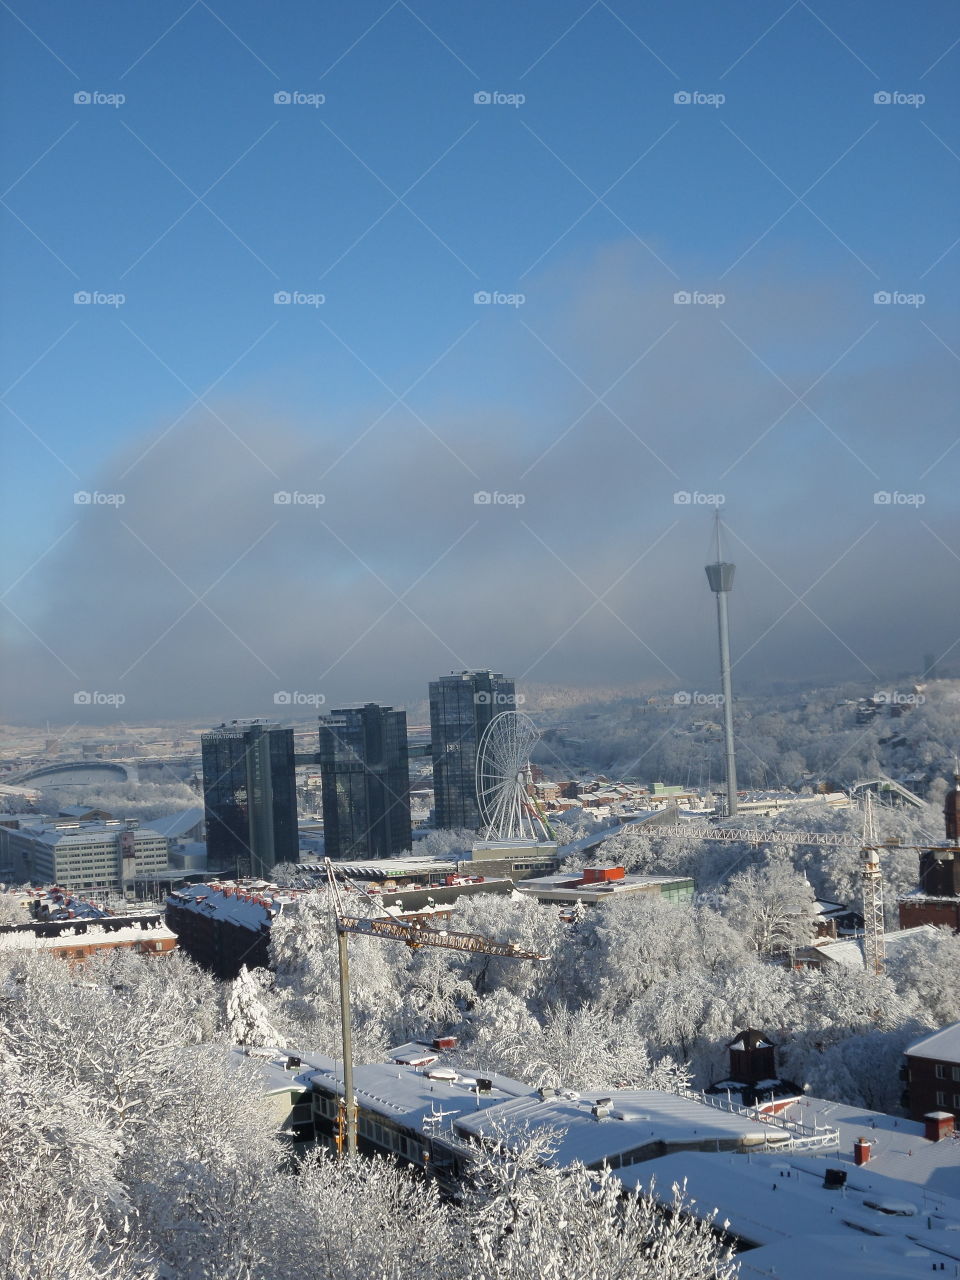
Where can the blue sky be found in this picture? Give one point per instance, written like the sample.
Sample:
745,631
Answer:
597,197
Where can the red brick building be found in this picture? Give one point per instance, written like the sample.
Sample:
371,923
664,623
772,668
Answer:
937,899
77,940
933,1073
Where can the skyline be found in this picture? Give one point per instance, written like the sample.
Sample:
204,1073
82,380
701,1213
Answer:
392,404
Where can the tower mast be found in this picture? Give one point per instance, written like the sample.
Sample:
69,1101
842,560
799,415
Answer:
720,577
872,876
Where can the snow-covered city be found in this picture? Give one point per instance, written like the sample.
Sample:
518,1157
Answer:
609,1027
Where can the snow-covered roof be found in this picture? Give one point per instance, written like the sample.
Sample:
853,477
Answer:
386,870
74,833
899,1150
849,952
82,909
250,909
567,887
638,1122
751,1039
414,1054
271,1063
411,1096
771,1199
26,940
842,1258
174,825
943,1045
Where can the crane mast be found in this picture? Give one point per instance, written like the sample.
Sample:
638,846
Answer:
872,877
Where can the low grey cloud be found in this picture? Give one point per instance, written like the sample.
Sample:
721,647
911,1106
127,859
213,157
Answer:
378,566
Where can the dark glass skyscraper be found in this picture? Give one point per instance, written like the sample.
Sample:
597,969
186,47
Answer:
461,707
249,793
366,782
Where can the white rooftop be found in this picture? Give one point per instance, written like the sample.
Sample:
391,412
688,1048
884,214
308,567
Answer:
850,951
943,1045
775,1198
174,825
66,833
226,902
271,1063
409,1094
638,1120
567,883
27,940
899,1149
833,1257
386,870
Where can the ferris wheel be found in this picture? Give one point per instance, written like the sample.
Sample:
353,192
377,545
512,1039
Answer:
503,778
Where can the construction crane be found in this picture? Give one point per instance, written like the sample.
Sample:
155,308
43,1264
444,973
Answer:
871,872
751,835
872,877
414,935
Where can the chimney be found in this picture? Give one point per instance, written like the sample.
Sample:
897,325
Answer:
861,1151
938,1125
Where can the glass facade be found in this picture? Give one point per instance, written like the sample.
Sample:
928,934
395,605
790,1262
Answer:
461,707
365,775
249,794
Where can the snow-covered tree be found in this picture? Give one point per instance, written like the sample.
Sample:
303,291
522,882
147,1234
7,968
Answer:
927,966
530,1222
12,910
773,906
247,1019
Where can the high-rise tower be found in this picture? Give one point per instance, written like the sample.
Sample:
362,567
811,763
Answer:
366,782
461,707
250,797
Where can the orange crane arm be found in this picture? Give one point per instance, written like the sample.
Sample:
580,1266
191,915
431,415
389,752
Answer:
415,936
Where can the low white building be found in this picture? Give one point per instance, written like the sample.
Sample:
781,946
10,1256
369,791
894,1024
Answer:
84,856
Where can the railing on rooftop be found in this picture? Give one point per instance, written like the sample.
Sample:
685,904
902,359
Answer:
801,1136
